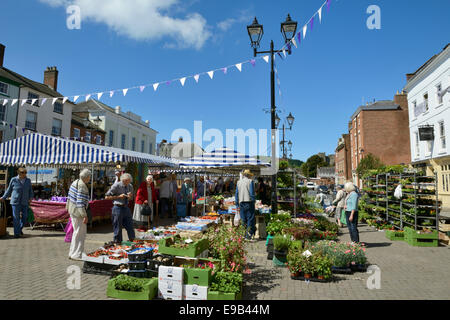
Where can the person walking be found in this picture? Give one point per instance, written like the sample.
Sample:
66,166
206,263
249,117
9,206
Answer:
351,211
186,194
245,200
339,202
21,193
320,197
173,199
165,194
145,196
263,192
77,203
121,193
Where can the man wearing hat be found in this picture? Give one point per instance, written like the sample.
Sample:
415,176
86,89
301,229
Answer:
186,193
245,200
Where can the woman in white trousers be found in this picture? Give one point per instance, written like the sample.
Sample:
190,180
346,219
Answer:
77,203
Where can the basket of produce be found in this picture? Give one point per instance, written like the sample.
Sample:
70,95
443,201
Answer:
140,254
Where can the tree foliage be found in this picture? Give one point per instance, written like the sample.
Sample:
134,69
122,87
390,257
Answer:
309,168
369,162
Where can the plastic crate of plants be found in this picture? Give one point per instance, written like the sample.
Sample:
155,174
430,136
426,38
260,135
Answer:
140,255
178,246
159,260
129,288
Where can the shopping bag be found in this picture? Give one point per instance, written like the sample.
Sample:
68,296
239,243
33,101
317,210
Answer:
30,216
237,219
343,218
69,231
146,210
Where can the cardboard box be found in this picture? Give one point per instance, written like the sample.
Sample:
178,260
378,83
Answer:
170,290
194,292
107,260
175,274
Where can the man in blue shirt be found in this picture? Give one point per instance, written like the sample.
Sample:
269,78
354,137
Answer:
245,200
21,194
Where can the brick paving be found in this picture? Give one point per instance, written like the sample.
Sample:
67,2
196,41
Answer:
35,267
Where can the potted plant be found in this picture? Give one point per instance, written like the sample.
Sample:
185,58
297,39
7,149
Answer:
306,265
322,265
280,245
294,260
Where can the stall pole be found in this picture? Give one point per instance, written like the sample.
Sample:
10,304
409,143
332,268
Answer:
37,167
204,191
92,183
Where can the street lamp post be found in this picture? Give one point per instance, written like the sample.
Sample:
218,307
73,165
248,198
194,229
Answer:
255,32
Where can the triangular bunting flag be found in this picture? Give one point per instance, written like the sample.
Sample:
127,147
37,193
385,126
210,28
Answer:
328,4
168,83
23,102
182,80
239,66
280,56
211,74
75,98
44,101
304,31
33,101
284,52
155,86
142,88
253,62
225,70
294,42
54,100
111,93
266,59
312,23
5,101
289,47
14,102
99,95
299,37
125,92
88,97
65,99
320,14
196,77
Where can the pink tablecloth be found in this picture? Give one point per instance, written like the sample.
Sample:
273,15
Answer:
49,212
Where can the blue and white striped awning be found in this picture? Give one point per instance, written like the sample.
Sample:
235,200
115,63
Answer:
222,157
38,149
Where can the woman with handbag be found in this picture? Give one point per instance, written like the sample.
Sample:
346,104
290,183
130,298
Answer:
143,207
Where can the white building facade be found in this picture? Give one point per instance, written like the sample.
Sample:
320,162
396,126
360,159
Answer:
429,106
124,130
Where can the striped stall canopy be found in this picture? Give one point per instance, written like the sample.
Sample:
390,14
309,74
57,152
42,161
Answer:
222,157
38,149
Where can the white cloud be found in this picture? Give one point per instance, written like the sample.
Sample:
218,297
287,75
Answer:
144,20
227,24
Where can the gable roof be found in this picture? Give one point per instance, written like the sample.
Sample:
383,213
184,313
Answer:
377,106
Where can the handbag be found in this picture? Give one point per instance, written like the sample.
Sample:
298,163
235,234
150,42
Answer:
146,210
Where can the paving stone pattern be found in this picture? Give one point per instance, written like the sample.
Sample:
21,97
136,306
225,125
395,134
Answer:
35,267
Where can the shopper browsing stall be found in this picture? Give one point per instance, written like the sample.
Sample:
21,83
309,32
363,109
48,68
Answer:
186,193
145,198
21,194
245,200
339,202
77,204
121,193
351,211
165,194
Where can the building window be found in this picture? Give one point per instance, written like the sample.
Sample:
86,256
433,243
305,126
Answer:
58,107
87,137
150,149
414,107
56,127
439,93
30,122
442,135
98,139
76,134
2,112
111,138
417,145
31,97
425,101
133,144
124,138
142,146
4,88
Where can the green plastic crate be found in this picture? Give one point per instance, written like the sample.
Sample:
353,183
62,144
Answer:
150,291
412,234
217,295
200,277
393,236
193,250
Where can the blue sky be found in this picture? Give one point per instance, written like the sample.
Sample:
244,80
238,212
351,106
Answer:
339,65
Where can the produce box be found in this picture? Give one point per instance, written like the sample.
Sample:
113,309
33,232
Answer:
421,239
142,265
185,261
193,249
197,276
115,262
160,260
140,254
395,235
217,295
87,258
175,274
150,291
170,290
194,292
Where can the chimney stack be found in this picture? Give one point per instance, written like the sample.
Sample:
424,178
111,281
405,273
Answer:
2,54
51,77
118,110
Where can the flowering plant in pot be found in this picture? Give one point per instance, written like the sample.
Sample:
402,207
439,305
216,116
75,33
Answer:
306,264
294,260
322,266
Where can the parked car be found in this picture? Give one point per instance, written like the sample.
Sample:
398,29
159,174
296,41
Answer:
324,189
311,185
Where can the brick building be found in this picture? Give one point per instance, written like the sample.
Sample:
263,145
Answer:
343,160
84,130
382,129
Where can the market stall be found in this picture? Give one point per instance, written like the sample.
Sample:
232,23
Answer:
48,151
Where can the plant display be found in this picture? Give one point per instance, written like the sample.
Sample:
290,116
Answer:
322,265
126,283
281,243
277,223
299,233
228,282
227,244
323,224
306,264
341,254
294,260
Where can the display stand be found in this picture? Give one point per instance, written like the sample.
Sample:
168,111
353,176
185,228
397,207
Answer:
291,189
